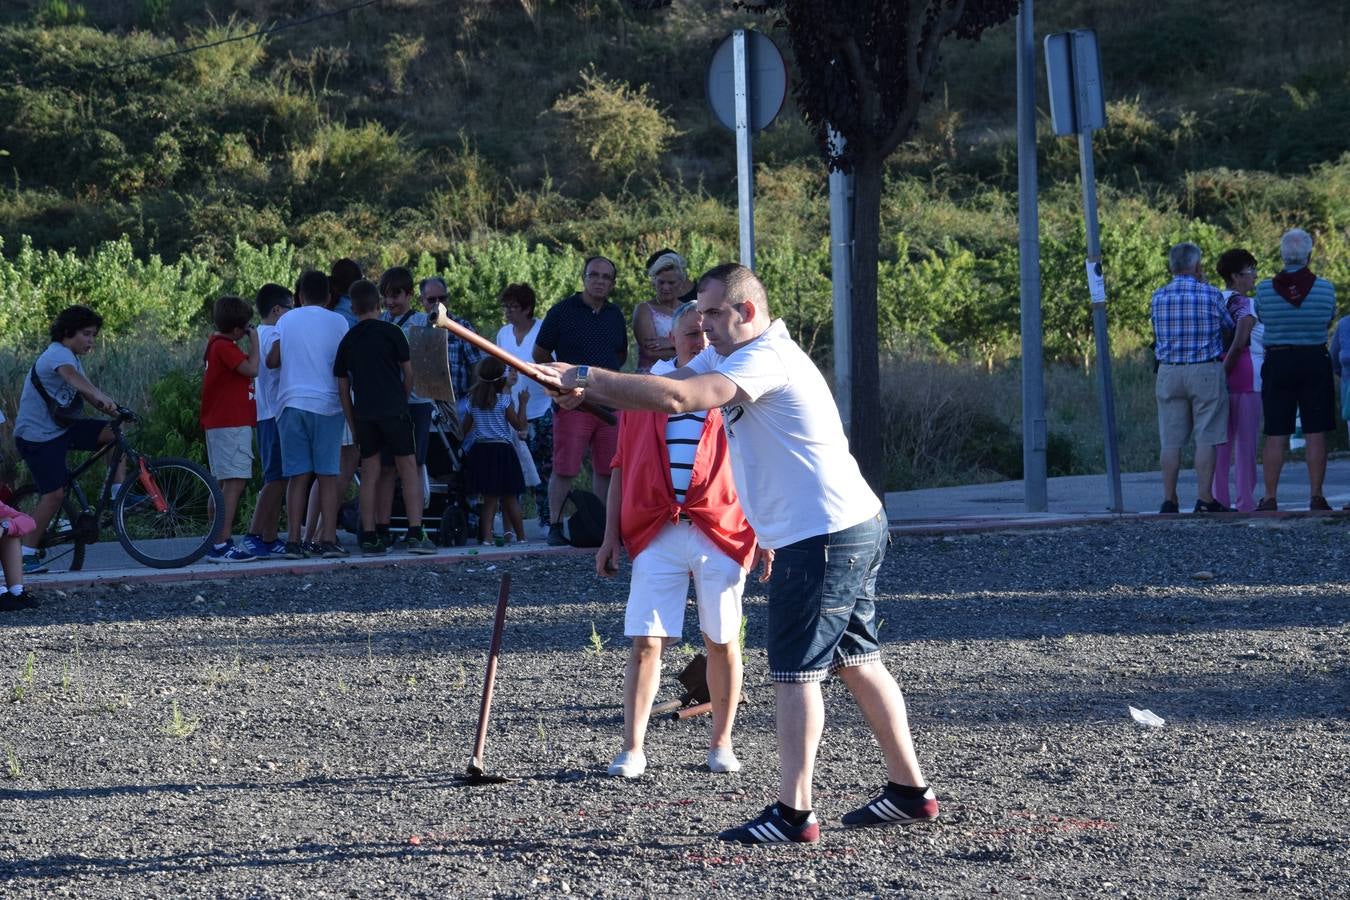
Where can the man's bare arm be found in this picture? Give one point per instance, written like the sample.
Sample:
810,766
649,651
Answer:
685,392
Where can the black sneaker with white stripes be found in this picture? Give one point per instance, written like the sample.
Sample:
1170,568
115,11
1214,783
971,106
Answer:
893,809
769,827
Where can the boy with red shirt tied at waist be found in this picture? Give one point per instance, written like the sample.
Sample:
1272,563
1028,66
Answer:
674,504
228,415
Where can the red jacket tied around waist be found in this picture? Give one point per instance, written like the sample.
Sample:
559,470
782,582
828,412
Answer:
649,497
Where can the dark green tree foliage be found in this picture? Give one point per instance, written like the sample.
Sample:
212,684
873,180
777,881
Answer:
863,71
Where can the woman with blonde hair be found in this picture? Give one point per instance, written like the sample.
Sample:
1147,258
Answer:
652,318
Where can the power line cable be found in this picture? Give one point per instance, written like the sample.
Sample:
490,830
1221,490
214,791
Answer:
184,51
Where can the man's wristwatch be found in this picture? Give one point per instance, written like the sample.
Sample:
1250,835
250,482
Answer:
583,376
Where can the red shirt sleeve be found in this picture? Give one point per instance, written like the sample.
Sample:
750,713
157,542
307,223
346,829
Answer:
227,353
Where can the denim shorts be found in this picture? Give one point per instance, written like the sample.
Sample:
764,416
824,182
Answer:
46,460
822,602
310,442
269,450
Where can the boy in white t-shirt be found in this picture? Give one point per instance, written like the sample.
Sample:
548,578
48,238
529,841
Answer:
310,415
272,302
803,494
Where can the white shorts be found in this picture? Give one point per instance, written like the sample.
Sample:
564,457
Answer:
660,586
230,452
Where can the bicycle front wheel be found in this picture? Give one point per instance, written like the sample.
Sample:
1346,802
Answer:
172,525
63,543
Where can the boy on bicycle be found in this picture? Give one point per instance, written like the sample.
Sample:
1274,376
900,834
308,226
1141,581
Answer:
57,386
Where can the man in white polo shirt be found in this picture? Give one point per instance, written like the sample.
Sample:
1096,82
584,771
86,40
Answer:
804,496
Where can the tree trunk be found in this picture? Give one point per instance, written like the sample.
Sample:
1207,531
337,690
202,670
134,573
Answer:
864,370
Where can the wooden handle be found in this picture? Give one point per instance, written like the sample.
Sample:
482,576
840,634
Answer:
490,677
669,706
698,709
528,369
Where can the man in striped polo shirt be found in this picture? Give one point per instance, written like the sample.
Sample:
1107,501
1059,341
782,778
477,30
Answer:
1192,390
1296,381
673,506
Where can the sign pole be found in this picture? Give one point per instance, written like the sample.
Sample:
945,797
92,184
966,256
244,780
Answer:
745,175
1034,438
1097,293
841,268
1077,106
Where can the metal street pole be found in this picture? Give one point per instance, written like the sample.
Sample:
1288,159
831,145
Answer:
745,173
1029,266
1097,293
841,267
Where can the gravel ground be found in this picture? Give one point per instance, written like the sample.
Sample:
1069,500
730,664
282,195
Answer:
285,736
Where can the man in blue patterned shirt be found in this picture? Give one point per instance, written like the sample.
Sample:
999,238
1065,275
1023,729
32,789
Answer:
1192,390
464,357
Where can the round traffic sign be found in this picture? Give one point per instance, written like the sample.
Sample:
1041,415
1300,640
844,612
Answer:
767,75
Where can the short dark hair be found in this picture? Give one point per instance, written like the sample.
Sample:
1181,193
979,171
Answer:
397,280
365,296
340,278
740,283
230,313
590,259
521,295
312,288
71,320
1232,262
270,296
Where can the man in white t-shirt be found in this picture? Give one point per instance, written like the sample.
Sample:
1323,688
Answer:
804,496
309,416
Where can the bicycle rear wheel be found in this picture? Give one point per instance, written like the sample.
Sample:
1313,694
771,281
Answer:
62,544
176,531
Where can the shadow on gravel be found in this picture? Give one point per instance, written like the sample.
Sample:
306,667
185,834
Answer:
1230,698
1026,615
302,854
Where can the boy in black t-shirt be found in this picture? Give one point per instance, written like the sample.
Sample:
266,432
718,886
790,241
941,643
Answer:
374,375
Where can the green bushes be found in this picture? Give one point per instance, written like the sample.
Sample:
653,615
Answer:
165,299
171,423
613,130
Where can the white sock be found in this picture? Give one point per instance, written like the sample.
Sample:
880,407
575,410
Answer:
29,551
116,489
16,590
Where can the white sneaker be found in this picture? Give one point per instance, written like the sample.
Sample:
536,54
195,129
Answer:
722,759
629,764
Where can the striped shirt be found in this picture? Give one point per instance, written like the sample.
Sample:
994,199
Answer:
1302,325
682,436
490,424
1188,316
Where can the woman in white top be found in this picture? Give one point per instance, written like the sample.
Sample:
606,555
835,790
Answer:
518,336
652,318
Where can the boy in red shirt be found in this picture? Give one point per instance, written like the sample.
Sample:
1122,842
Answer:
228,415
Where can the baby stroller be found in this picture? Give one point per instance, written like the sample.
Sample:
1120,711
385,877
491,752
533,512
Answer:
446,510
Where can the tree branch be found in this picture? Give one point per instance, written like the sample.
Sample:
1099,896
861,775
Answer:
919,66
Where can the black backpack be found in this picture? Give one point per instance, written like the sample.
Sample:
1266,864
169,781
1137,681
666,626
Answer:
586,526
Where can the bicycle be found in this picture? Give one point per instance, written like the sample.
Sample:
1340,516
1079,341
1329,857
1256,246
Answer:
165,516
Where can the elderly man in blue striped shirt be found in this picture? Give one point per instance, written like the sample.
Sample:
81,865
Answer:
1296,380
1192,390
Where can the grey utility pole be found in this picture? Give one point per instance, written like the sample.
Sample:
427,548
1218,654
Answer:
1029,266
841,266
745,169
